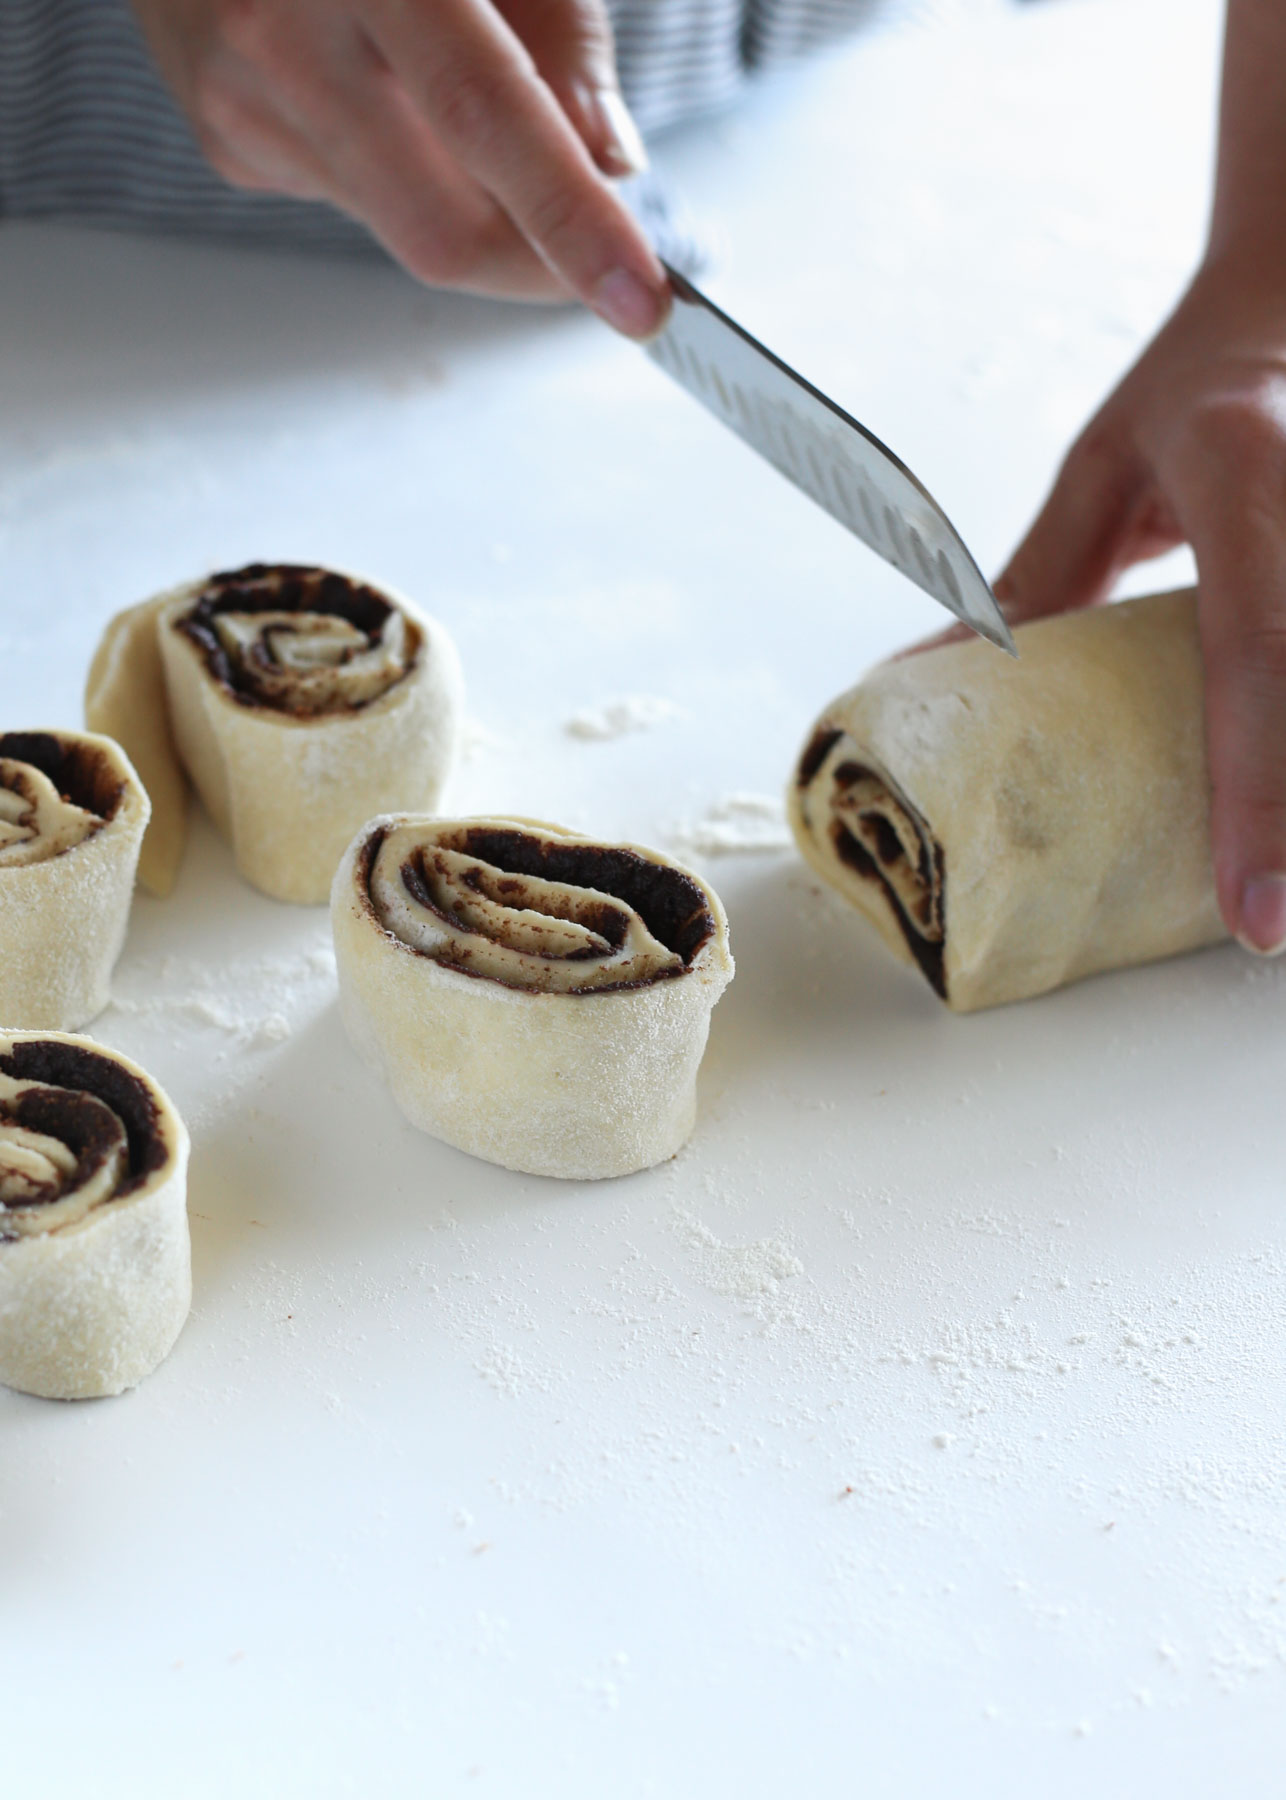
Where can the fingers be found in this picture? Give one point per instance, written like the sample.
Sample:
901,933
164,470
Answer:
472,149
1233,482
385,168
247,140
481,97
1086,532
570,42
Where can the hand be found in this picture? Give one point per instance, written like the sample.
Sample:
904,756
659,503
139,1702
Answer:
1191,448
471,136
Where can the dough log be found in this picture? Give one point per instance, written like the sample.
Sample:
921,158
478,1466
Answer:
536,998
95,1265
72,816
299,701
1012,826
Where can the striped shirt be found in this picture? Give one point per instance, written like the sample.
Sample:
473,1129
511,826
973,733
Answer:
89,131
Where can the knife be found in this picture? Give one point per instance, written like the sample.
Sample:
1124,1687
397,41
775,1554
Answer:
824,451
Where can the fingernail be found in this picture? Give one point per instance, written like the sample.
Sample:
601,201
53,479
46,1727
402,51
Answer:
625,149
628,304
1263,915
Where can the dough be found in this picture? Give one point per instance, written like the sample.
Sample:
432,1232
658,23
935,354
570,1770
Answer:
72,816
536,998
125,700
1012,826
300,702
95,1265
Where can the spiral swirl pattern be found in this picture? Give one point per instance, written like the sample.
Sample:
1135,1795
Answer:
95,1261
553,915
76,1132
301,641
872,832
61,1155
36,821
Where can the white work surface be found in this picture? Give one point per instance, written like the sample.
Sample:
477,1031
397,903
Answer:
918,1431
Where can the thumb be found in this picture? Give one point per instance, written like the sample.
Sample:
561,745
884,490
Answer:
1241,561
1077,544
570,42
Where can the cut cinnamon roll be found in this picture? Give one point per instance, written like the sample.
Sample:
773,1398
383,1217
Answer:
95,1265
537,998
299,701
72,816
1010,826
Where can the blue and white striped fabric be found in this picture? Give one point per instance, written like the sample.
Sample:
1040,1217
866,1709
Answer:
88,130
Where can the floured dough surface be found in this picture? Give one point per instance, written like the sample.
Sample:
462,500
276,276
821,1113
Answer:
95,1275
72,817
125,700
299,701
1012,826
533,996
304,701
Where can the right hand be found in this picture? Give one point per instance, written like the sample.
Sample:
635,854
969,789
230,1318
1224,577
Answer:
472,137
1191,448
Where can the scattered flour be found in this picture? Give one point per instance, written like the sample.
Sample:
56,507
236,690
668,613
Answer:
752,1272
255,1005
477,738
252,1028
617,718
272,1029
740,824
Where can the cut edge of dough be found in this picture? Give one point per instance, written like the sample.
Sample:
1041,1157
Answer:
125,699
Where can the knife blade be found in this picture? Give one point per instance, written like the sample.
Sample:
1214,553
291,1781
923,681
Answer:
824,451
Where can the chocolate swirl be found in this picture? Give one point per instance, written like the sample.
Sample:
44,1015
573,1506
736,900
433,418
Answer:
536,911
875,832
77,1131
36,821
55,791
301,641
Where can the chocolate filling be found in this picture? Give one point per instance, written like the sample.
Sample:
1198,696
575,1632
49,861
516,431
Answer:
669,902
930,868
610,922
67,1117
81,772
929,956
284,587
819,748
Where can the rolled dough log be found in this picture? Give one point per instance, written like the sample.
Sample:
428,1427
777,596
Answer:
1012,826
72,816
95,1265
300,701
125,700
537,998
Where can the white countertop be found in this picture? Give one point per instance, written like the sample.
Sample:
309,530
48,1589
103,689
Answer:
918,1431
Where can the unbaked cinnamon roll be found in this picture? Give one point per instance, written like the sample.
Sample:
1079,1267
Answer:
72,816
1010,826
95,1266
299,701
532,996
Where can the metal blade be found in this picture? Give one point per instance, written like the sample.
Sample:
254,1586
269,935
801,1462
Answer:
824,451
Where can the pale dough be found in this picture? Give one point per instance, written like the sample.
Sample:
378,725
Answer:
532,996
293,723
1015,825
72,817
95,1263
125,700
